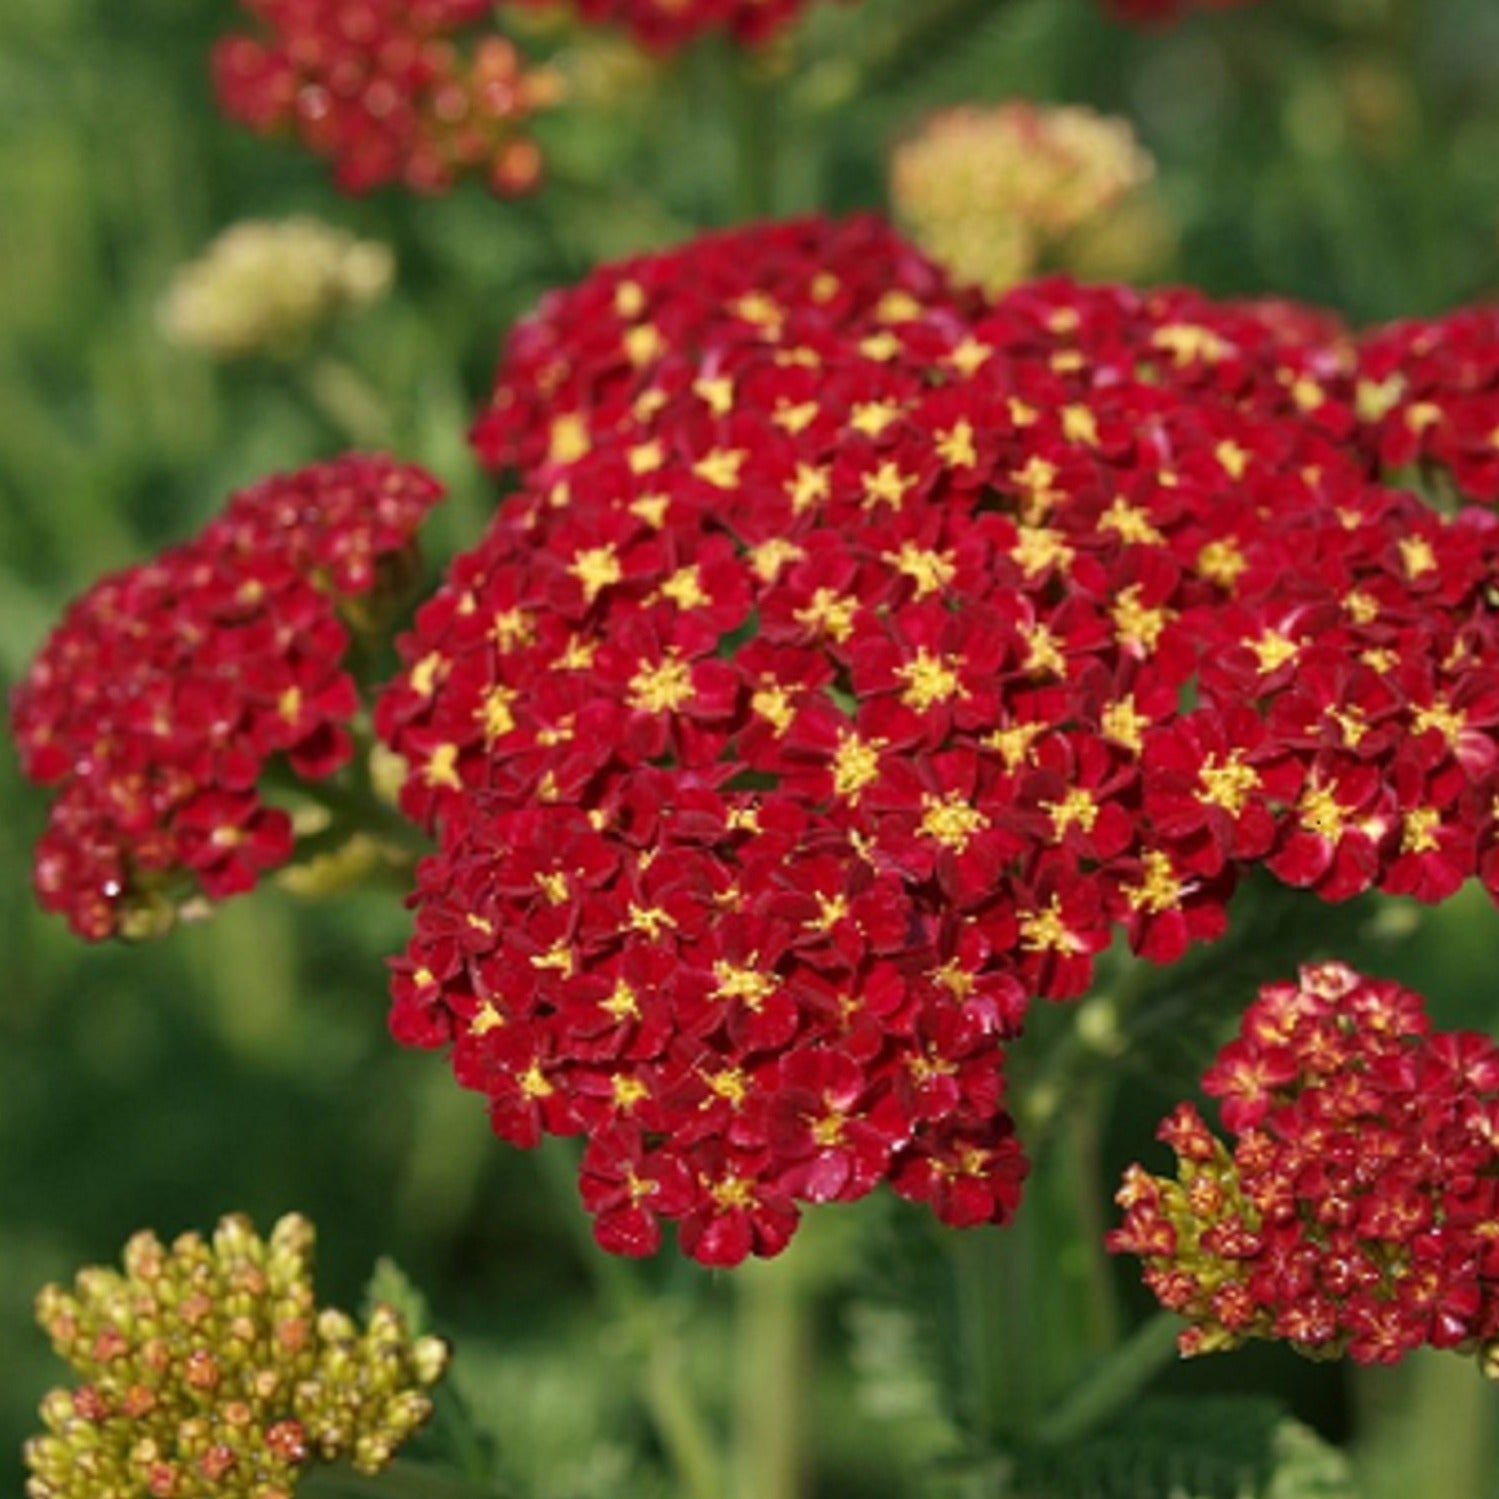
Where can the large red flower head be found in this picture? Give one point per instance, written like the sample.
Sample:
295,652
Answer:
1357,1208
839,681
411,91
157,704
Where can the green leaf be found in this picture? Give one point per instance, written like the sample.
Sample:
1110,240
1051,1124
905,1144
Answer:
389,1285
1192,1449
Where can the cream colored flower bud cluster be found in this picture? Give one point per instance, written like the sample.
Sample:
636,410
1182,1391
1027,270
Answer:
208,1370
999,193
269,287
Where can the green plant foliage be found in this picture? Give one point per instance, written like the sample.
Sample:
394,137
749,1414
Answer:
1192,1449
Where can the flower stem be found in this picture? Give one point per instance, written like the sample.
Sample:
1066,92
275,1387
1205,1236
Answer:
1114,1382
1428,1428
754,119
1081,1144
774,1358
679,1421
356,809
975,1388
346,401
675,1414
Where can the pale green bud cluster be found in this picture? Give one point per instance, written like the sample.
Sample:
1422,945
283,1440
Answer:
999,193
268,288
208,1370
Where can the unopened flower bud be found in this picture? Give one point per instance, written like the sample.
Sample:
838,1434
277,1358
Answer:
209,1364
269,288
997,194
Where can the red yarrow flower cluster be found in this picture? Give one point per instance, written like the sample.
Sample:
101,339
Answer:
409,91
819,700
1356,1209
157,704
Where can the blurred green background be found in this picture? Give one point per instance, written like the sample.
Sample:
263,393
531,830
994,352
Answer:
1345,151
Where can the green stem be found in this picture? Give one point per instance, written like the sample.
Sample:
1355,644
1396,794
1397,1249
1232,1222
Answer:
978,1372
999,1367
1082,1135
1114,1383
356,809
1094,1038
346,401
399,1481
754,121
679,1421
461,1436
1428,1428
774,1356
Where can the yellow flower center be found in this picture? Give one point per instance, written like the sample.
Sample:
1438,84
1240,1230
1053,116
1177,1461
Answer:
1044,930
1228,783
955,447
1078,808
596,568
1159,888
748,985
929,571
930,680
1136,625
721,468
622,1003
887,485
662,688
855,765
951,821
829,613
1419,831
685,588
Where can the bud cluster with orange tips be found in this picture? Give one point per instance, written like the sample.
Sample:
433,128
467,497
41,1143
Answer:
996,194
208,1371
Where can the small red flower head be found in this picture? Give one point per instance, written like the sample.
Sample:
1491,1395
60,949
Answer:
409,91
157,704
1355,1210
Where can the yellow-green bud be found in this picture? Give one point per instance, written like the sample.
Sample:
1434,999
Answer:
207,1369
269,288
999,193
